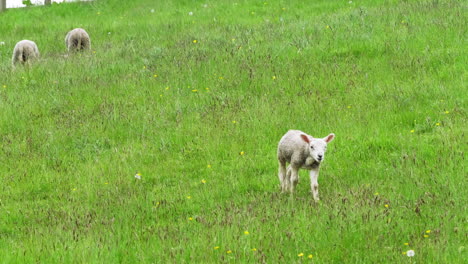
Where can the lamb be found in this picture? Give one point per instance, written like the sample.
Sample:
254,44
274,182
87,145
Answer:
301,151
77,40
25,51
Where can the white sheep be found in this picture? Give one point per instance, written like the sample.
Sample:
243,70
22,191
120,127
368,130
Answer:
25,51
77,40
301,151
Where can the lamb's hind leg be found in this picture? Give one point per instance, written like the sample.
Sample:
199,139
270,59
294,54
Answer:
293,177
282,176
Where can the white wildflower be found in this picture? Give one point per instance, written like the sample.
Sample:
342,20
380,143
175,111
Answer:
190,13
410,253
2,43
152,10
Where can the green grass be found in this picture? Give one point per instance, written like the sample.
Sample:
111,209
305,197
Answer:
74,131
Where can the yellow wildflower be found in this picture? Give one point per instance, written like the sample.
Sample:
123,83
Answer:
300,254
203,181
426,236
241,153
447,112
327,26
310,256
273,77
254,249
138,176
386,206
229,251
167,88
246,232
376,193
194,90
208,166
234,121
195,41
215,248
428,231
189,197
98,13
4,86
190,218
412,131
406,244
349,106
155,76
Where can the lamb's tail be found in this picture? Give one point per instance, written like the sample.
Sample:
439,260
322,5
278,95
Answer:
79,46
22,56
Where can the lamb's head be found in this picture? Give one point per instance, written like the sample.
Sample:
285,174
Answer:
318,146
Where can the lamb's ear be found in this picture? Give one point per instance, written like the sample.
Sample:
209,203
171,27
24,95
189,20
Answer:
305,138
329,138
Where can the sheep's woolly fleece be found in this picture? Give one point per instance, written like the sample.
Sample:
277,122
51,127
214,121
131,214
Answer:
25,51
77,39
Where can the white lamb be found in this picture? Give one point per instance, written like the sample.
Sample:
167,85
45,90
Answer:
77,40
301,151
25,51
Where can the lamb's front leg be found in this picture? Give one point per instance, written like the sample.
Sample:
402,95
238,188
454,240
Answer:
314,173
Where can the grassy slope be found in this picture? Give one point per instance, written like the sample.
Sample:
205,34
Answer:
75,131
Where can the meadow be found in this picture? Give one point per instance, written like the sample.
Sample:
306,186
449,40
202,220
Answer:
194,97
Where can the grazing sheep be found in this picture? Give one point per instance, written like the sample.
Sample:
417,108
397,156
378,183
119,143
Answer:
77,40
301,151
25,51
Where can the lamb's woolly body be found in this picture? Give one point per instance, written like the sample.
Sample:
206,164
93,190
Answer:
301,151
77,39
24,52
294,150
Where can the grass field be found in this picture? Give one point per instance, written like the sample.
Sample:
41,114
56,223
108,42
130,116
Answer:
195,95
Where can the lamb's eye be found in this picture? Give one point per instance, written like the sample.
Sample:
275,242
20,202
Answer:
312,147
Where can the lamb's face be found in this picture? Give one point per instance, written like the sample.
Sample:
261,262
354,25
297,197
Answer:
318,146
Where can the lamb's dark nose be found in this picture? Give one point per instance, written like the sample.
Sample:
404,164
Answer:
320,157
